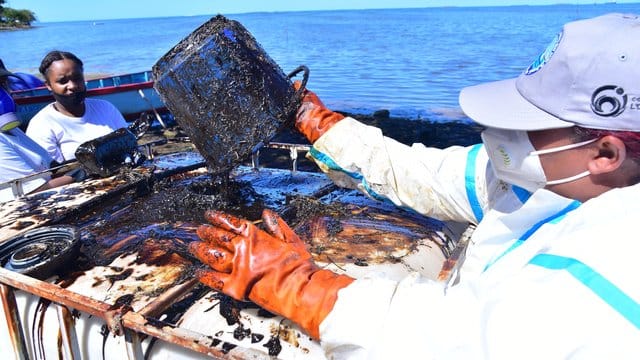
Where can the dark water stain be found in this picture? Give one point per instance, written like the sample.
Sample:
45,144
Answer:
159,226
121,276
122,301
230,308
142,277
273,346
361,235
152,343
22,224
266,314
97,282
37,327
302,208
189,199
226,347
256,338
360,262
59,344
174,313
157,323
240,332
104,331
70,274
70,191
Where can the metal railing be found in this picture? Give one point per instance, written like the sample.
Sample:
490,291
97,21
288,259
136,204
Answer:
293,153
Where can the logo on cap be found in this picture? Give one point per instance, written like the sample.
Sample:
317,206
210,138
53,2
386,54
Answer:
545,56
608,100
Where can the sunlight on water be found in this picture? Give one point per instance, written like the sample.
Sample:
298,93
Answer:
411,62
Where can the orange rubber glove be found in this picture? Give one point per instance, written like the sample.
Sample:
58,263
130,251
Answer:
313,119
271,268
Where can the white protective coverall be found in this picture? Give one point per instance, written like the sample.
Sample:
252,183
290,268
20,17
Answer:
19,157
545,277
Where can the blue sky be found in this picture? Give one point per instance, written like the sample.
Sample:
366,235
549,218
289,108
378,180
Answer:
67,10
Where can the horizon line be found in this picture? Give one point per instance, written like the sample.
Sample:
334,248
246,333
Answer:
329,10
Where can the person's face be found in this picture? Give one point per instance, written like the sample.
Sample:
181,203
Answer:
562,164
65,77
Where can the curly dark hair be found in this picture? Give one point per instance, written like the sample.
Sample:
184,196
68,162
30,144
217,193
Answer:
56,55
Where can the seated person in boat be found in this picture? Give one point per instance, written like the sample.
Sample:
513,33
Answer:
72,119
20,156
554,189
16,81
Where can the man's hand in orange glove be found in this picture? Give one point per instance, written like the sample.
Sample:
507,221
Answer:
271,268
313,119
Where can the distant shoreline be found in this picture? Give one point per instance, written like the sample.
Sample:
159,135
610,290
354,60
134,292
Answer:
232,13
13,28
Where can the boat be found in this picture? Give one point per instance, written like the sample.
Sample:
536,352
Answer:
131,93
128,290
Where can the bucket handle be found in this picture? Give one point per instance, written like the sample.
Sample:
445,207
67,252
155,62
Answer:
305,78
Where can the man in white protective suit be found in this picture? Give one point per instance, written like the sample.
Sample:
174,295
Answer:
551,271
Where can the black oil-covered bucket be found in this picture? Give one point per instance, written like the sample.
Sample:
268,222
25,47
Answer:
105,155
225,92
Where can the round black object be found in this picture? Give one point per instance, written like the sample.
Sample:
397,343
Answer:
40,252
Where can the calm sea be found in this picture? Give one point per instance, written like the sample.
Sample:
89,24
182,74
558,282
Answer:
411,62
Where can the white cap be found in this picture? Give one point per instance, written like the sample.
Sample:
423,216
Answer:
589,76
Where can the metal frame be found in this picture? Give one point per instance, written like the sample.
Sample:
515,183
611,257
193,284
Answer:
13,321
121,321
293,153
16,185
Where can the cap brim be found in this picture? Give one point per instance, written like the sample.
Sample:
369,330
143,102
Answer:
499,105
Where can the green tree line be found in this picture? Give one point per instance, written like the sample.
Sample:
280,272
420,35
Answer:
15,18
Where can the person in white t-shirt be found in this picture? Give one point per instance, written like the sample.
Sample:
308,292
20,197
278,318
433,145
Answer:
20,156
72,119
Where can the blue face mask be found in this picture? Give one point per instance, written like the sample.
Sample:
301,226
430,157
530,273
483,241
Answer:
8,118
516,161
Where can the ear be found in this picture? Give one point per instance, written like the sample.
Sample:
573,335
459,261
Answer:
46,83
611,153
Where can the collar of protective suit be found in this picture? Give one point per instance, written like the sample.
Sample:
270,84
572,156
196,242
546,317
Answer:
542,220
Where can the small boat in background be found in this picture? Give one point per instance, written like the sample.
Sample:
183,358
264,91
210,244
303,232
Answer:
124,91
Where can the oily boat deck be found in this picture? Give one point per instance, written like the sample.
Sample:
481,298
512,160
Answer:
131,291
